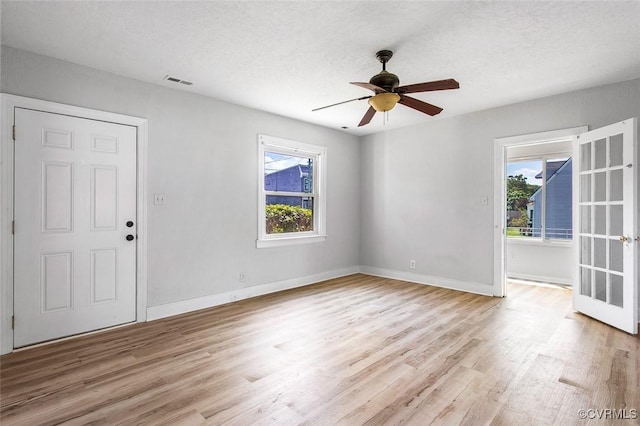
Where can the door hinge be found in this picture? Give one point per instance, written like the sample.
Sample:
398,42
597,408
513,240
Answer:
13,322
14,133
13,227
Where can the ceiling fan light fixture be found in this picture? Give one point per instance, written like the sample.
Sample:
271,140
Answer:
383,102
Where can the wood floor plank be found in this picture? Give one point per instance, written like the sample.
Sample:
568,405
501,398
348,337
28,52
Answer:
349,351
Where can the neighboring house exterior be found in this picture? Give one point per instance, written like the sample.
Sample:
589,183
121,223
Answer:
558,215
293,179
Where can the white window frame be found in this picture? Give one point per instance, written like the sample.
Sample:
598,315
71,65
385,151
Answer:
289,147
543,239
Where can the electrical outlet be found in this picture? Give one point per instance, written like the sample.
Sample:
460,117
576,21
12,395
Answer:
412,264
242,277
159,199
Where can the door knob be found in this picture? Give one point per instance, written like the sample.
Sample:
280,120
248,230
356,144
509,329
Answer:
623,238
129,224
129,237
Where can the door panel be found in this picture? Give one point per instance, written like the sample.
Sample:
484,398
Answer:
75,189
606,223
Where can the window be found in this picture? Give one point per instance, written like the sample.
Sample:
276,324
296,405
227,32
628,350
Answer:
291,204
539,198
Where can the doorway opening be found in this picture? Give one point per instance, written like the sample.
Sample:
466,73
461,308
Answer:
534,241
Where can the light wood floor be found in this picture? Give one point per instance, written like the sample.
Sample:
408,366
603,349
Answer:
355,350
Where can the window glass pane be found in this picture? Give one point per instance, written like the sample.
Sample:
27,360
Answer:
617,291
288,214
615,150
524,199
558,211
601,153
585,156
287,173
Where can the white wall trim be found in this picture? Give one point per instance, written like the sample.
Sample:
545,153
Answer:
7,105
469,287
540,278
195,304
499,176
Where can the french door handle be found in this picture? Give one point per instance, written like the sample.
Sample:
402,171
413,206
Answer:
623,238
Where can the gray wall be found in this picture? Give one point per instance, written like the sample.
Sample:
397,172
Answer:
422,185
202,153
412,193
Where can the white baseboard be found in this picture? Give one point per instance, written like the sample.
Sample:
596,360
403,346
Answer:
189,305
541,278
477,288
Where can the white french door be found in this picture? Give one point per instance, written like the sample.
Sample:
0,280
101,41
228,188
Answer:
605,203
75,230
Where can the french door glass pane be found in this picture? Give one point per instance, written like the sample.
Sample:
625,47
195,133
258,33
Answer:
616,185
585,281
615,255
600,220
601,285
600,186
615,150
585,157
601,153
615,220
585,219
617,292
585,188
600,252
585,250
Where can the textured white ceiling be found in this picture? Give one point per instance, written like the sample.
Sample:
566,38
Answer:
290,57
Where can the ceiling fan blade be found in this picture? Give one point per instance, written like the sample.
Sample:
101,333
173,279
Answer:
367,116
429,86
369,86
340,103
419,105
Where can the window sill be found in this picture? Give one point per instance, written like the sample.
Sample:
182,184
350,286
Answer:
289,241
539,242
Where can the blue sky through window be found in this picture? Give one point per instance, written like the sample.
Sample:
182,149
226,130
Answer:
274,162
529,169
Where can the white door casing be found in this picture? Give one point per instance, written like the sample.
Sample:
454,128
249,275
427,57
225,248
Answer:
8,104
500,201
605,225
75,191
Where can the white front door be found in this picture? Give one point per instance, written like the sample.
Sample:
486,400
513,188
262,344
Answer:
606,225
75,225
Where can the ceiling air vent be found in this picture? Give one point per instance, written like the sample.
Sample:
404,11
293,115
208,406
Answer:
177,80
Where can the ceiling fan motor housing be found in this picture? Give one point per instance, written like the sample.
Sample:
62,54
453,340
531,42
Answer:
386,80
